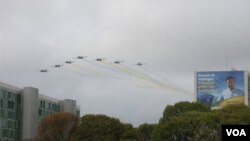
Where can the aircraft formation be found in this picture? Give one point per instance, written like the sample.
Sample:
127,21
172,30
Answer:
100,67
82,58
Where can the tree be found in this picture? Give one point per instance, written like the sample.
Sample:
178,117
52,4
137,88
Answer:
184,124
99,128
57,127
193,126
180,108
234,114
145,131
129,133
172,111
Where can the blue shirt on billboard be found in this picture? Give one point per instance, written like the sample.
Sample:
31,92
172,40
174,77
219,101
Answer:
231,91
228,93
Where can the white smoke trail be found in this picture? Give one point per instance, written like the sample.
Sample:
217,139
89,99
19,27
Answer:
149,81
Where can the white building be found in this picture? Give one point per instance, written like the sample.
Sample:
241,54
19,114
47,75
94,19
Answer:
22,109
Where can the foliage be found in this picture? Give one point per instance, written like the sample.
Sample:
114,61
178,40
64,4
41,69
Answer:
190,122
57,127
192,126
184,121
145,131
129,133
180,108
234,114
99,128
171,112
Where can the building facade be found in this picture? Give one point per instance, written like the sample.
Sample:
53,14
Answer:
21,110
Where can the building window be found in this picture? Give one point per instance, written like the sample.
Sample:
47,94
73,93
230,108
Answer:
42,104
9,94
1,103
5,103
1,93
40,112
4,94
10,104
78,113
2,115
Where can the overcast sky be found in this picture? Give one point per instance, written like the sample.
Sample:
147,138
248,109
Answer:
174,38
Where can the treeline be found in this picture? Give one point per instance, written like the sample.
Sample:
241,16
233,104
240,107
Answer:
184,121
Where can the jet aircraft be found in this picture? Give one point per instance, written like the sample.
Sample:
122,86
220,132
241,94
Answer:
100,59
118,62
69,62
81,57
57,65
43,70
140,64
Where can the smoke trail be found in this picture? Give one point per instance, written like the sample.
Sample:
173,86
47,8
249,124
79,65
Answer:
73,71
151,82
93,72
164,80
84,70
135,74
61,73
99,65
156,74
118,67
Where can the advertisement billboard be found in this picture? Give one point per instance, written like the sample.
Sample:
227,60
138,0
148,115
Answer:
219,88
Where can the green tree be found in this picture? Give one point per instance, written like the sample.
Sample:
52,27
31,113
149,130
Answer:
193,126
180,108
145,131
99,128
129,133
233,114
57,127
194,122
172,111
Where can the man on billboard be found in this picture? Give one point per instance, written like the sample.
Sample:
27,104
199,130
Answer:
231,91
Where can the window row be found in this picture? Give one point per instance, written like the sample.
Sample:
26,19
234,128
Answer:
9,114
48,105
7,133
9,104
43,113
7,94
11,124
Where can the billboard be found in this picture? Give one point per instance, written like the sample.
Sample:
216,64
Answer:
219,88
